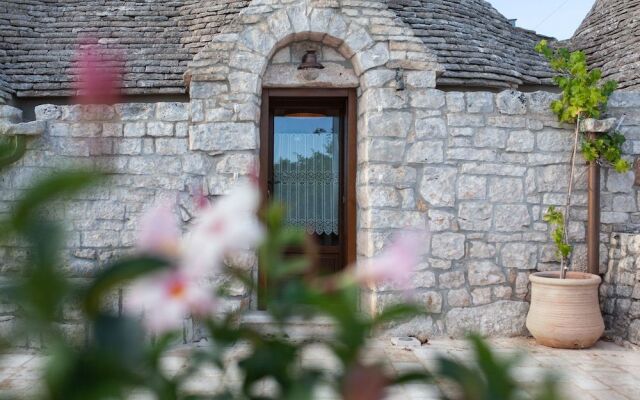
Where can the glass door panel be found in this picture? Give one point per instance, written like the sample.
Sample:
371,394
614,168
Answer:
306,172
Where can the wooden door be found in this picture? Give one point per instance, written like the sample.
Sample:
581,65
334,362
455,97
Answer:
308,164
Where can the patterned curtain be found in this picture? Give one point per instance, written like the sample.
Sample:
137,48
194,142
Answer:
306,178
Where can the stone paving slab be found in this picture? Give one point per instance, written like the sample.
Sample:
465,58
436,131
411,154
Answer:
607,371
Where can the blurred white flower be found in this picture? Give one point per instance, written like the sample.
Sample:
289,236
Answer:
396,264
159,233
228,225
165,299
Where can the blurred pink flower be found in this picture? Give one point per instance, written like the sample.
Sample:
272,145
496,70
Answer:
230,224
99,73
159,233
167,298
396,264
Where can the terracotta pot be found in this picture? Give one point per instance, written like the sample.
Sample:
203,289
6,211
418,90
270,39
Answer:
565,313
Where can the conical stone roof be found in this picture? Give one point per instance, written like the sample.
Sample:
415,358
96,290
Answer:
476,45
610,36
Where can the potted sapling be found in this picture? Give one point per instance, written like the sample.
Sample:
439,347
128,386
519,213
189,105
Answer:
565,311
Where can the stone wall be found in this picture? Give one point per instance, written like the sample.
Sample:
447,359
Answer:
482,167
488,167
620,290
144,148
479,168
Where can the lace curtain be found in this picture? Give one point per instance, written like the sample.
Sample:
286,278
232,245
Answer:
306,179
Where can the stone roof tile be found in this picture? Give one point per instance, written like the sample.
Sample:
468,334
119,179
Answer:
610,37
476,44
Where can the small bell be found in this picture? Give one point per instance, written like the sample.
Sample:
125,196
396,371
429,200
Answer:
310,61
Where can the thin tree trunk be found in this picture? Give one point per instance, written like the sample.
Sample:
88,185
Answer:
572,161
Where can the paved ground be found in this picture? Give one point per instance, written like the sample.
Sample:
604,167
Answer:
606,371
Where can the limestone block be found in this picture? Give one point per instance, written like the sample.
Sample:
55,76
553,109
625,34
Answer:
448,245
458,298
481,295
159,129
511,102
431,128
471,154
502,292
10,114
46,112
258,38
552,178
451,280
244,82
519,255
432,301
399,177
135,111
490,137
472,187
237,163
479,102
383,150
540,102
509,218
474,216
506,190
357,38
112,129
32,128
377,78
634,332
455,102
480,249
483,273
440,220
555,140
597,125
420,79
223,136
502,318
379,99
423,280
427,152
620,183
206,90
171,146
172,111
438,186
373,57
389,123
393,219
520,141
429,98
378,196
135,129
128,146
465,120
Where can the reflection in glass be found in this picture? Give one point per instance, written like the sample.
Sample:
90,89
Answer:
306,171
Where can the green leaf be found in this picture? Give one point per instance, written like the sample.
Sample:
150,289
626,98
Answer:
11,150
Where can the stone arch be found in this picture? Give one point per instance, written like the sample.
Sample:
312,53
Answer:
225,81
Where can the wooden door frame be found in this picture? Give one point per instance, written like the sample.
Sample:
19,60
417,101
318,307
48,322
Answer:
350,162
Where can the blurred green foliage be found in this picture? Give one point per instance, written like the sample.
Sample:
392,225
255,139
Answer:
119,356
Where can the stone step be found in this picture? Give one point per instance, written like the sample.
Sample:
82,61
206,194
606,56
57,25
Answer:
296,328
